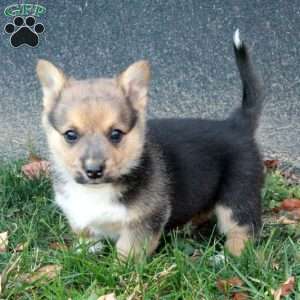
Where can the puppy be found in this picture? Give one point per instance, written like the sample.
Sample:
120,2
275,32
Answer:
117,176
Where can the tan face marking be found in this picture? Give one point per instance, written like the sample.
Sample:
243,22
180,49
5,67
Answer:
93,108
94,117
94,122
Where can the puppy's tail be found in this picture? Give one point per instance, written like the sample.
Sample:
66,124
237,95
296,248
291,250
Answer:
252,90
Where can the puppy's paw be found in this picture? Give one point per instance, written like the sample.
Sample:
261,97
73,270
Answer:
91,246
236,244
96,248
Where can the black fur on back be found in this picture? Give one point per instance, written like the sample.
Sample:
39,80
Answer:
215,161
190,165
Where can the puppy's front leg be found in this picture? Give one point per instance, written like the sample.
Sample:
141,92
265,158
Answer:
136,241
86,238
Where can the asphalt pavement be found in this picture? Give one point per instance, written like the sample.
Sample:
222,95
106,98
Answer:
189,45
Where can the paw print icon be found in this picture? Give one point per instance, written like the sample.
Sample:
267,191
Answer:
24,32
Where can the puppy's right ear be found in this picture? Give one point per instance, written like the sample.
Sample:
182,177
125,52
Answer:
52,80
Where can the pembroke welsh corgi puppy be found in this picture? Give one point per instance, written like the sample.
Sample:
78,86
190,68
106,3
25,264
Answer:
118,176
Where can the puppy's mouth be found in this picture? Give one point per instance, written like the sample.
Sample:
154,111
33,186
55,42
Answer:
82,179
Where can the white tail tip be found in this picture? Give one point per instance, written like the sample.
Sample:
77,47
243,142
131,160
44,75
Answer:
236,39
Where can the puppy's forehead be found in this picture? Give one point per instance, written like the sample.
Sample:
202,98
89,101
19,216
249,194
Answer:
93,116
101,89
94,105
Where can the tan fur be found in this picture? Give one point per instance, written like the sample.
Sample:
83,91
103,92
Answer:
94,107
85,233
236,235
52,80
132,242
134,81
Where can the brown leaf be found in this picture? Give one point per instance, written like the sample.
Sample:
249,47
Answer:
295,214
20,247
275,265
285,289
275,209
196,254
240,296
286,221
224,285
111,296
288,286
47,272
58,246
36,169
290,204
3,241
34,157
271,164
165,272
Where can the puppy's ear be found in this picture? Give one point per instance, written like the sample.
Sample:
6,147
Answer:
134,81
52,80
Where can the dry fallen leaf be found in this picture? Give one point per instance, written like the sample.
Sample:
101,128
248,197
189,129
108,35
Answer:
294,214
240,296
3,241
286,221
195,255
111,296
285,289
135,295
47,272
34,157
288,286
290,204
224,285
36,168
271,164
165,272
20,247
275,265
58,246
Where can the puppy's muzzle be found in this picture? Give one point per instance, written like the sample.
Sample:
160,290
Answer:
94,170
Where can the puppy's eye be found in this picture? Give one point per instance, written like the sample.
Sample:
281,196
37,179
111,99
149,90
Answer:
71,136
116,136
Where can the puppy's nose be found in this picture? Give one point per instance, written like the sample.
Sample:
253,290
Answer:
94,171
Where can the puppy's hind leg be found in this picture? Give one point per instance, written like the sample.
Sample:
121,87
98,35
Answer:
236,235
238,209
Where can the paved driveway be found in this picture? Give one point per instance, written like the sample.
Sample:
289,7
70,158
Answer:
189,46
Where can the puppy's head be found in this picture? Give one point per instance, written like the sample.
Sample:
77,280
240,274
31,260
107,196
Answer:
95,128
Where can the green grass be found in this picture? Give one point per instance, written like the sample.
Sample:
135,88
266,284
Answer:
28,214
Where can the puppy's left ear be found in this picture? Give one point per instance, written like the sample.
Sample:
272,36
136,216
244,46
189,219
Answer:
134,81
52,80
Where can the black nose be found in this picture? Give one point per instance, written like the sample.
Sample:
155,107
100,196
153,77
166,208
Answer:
95,173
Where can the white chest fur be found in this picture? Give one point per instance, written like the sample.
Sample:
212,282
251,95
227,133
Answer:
95,209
